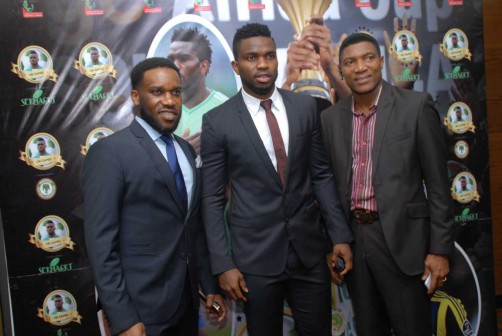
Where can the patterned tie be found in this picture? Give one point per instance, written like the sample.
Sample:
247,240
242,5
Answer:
175,168
275,132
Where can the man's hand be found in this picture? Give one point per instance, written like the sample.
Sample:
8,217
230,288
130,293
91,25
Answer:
233,284
301,55
136,330
395,66
340,251
438,267
193,139
211,312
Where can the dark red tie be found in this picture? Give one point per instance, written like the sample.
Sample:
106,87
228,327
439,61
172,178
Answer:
275,132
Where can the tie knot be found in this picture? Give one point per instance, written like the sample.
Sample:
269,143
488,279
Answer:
167,139
267,105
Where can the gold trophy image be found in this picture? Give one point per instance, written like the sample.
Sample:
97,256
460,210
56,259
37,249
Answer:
299,13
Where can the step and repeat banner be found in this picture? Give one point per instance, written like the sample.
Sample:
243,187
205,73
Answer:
64,84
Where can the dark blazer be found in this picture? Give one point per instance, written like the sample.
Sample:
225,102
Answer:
409,150
138,236
263,216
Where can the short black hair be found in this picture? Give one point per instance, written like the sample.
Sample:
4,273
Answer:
40,139
200,41
247,31
148,64
93,48
33,52
358,38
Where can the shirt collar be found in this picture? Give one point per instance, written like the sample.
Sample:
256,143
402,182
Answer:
375,104
253,103
153,133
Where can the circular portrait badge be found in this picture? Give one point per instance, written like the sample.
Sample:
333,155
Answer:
405,47
46,189
95,61
461,149
455,45
459,118
52,234
34,64
464,188
42,152
95,135
59,308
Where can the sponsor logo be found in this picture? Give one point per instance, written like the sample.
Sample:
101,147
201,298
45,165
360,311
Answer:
55,267
46,189
37,99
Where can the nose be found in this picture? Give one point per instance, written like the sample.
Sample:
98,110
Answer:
262,63
167,99
360,65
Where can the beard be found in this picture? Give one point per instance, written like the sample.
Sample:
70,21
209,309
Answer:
156,125
260,91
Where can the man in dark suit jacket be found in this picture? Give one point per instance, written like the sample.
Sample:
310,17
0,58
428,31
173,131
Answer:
143,232
385,144
278,240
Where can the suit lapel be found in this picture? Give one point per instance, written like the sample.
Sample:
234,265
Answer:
158,160
384,110
254,137
346,120
294,126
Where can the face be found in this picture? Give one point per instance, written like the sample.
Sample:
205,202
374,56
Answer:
51,229
34,60
459,114
362,68
192,70
454,40
463,183
41,145
404,42
58,302
257,66
94,56
158,96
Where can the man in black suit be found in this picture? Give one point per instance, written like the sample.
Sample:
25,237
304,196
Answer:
143,231
272,158
385,144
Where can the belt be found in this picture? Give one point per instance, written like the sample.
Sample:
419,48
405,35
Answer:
363,216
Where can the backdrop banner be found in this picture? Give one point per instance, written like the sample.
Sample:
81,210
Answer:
64,69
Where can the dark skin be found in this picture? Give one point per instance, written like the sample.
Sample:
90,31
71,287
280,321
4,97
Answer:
362,66
257,64
159,97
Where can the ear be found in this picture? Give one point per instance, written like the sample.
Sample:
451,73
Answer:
235,66
204,67
135,97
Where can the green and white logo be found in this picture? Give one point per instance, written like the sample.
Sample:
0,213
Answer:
55,267
46,189
38,99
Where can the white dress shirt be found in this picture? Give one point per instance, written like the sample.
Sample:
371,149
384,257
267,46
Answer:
183,162
260,121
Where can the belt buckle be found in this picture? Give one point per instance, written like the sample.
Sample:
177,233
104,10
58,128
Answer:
363,216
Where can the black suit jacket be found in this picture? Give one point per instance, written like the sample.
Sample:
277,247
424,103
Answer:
263,216
138,236
409,151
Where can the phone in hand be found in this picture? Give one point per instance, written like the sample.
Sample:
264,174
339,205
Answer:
340,265
215,306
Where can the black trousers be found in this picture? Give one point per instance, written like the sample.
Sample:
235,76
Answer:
385,300
307,292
